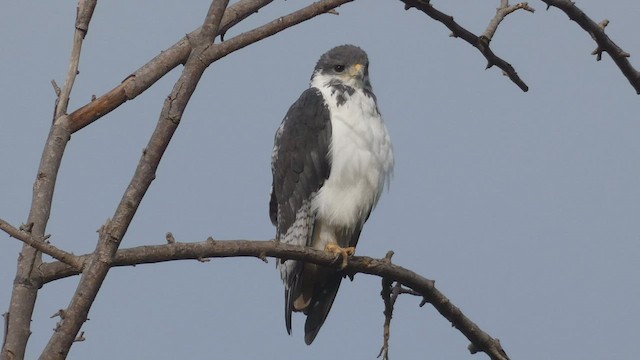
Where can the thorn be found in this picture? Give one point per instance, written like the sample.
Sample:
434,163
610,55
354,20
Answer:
210,239
60,313
26,227
333,12
56,88
387,257
170,238
93,97
598,52
203,260
80,337
423,302
263,257
46,238
603,24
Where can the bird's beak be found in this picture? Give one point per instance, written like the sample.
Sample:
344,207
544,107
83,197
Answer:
357,71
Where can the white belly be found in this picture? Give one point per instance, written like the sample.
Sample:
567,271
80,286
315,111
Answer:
361,161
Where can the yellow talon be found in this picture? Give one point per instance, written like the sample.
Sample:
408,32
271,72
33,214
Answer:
344,252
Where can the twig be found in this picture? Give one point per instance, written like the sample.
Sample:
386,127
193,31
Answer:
619,56
388,314
245,248
5,317
85,12
479,42
501,13
142,79
42,246
385,293
221,50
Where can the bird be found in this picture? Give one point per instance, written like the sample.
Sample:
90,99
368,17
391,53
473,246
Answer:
332,158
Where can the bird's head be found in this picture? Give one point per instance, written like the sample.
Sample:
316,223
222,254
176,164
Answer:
344,65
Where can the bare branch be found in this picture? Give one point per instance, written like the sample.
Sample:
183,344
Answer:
238,42
501,13
619,56
385,293
113,232
479,42
177,54
85,12
41,245
136,83
245,248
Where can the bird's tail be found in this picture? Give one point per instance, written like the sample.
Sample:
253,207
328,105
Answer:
320,306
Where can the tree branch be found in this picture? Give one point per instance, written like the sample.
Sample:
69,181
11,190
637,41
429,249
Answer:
25,288
41,245
501,13
261,249
619,56
85,12
113,232
479,42
389,302
223,49
142,79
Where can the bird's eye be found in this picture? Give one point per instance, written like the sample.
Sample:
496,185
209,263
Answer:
338,68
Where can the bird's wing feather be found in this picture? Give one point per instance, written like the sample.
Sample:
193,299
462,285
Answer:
300,166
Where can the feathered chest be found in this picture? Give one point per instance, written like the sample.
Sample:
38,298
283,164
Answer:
360,154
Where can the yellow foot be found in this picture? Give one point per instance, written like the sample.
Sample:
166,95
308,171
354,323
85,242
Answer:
344,252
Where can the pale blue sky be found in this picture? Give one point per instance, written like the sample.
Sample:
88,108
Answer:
523,207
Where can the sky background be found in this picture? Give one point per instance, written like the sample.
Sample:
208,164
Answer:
524,207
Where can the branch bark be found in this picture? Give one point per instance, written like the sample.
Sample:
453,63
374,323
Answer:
261,249
619,56
147,75
25,286
479,42
41,245
113,231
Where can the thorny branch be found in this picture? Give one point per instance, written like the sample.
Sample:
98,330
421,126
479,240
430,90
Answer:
619,56
479,42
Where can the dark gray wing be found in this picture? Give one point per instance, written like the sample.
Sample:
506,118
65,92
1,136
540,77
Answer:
300,165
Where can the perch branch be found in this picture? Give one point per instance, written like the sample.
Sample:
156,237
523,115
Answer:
479,42
258,249
41,245
25,286
619,56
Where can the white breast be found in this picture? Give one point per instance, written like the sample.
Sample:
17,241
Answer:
361,159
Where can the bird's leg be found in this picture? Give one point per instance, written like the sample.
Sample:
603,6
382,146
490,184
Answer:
344,252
